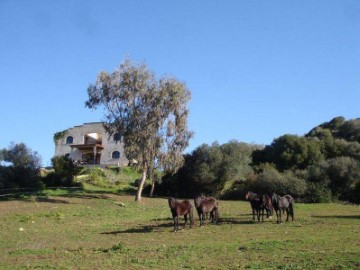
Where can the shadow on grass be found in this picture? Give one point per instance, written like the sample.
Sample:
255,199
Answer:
339,216
29,197
42,196
48,200
142,229
235,221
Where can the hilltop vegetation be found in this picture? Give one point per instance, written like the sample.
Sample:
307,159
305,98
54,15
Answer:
321,166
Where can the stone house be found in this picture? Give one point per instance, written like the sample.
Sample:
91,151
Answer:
91,144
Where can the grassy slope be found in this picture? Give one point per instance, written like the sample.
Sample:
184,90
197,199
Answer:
94,231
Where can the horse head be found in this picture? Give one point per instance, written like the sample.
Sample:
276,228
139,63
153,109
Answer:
197,201
274,197
172,202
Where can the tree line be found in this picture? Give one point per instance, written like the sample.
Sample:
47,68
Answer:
321,166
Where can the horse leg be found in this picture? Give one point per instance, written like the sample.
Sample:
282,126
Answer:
253,214
262,214
203,216
291,208
185,218
176,223
278,215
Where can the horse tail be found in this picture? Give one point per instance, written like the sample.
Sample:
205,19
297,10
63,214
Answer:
291,207
217,216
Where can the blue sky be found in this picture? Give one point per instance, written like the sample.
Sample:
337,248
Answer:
256,69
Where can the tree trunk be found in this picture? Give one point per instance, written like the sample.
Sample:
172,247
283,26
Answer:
152,188
141,185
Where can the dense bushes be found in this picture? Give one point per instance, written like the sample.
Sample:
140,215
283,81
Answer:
207,169
321,166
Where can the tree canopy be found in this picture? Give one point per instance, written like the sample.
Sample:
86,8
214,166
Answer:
150,113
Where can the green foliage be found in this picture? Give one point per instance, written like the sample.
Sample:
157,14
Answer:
289,152
318,193
208,168
329,155
20,156
59,135
64,172
271,180
24,167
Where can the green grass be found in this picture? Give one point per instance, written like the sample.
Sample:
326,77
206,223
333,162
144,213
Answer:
88,230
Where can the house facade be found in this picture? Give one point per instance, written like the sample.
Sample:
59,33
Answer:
90,144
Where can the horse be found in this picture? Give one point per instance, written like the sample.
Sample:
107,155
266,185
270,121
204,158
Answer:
255,203
206,205
259,204
267,205
183,208
283,203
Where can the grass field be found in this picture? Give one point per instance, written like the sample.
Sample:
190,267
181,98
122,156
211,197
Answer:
106,231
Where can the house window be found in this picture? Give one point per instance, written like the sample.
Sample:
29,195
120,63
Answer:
67,155
69,140
117,137
115,155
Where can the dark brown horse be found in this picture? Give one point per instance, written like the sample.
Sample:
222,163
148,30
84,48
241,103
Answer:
259,204
205,205
267,205
283,203
183,208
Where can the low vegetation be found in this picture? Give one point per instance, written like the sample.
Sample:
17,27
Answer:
62,229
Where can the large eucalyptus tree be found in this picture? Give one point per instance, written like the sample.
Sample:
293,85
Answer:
151,115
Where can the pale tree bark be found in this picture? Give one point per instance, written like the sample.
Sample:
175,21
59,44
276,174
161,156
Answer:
152,188
141,185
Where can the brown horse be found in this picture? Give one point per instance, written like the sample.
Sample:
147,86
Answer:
267,205
183,208
259,204
283,203
206,205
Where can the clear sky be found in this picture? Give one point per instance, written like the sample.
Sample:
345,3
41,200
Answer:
256,69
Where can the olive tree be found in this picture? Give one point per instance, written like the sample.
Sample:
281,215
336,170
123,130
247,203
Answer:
150,113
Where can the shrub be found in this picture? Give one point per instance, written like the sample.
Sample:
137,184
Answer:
317,193
64,172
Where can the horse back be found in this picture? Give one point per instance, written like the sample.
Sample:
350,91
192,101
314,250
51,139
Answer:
289,199
183,207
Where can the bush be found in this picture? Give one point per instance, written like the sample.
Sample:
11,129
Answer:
64,172
318,193
268,182
237,191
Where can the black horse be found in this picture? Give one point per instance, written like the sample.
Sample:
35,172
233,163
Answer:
183,208
259,204
283,203
205,205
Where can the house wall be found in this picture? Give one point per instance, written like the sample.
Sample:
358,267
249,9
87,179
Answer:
78,133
